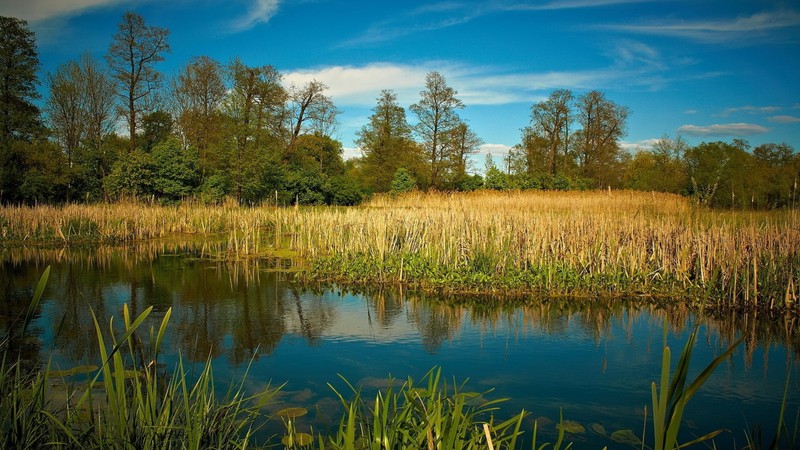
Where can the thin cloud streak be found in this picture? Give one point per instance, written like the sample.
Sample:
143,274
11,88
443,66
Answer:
441,15
784,119
261,11
41,10
716,31
727,129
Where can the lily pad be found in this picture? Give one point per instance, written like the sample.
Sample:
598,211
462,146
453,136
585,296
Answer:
626,437
299,440
597,428
292,412
571,427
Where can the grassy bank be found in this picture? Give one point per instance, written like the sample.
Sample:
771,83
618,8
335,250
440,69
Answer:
555,243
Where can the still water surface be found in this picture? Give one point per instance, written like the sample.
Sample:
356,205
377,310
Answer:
593,360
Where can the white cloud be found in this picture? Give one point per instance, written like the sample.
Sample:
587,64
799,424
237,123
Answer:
496,150
351,85
722,30
37,10
690,111
476,85
261,11
727,129
351,152
644,144
784,119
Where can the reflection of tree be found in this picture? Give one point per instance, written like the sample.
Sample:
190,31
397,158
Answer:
436,323
314,315
17,285
387,306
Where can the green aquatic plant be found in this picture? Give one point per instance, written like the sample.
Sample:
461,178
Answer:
671,397
433,414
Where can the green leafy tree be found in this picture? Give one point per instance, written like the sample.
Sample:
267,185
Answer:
156,128
721,174
20,120
661,169
403,181
177,170
132,175
437,116
387,144
198,93
603,124
550,120
462,143
778,168
134,51
255,110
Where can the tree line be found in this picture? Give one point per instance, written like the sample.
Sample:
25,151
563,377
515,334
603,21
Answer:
118,128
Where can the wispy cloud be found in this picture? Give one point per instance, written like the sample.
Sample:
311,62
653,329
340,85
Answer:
717,31
784,119
631,65
441,15
260,11
726,129
750,110
39,10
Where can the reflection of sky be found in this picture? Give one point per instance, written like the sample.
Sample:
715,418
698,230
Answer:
543,363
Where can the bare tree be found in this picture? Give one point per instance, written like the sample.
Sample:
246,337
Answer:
310,111
65,107
132,55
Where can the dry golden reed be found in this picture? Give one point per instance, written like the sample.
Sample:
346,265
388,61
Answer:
601,242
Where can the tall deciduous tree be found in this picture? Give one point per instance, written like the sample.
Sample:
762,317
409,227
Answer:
462,142
132,56
65,107
437,116
551,119
198,93
99,101
387,144
20,120
603,124
255,107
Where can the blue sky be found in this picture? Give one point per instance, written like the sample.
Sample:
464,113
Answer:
703,69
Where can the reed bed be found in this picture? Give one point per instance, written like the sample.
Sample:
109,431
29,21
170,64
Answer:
602,243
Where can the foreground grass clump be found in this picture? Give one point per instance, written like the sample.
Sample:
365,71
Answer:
619,243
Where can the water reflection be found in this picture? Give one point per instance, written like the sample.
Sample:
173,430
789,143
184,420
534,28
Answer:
593,358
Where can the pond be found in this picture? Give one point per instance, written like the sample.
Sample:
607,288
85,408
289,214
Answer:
592,360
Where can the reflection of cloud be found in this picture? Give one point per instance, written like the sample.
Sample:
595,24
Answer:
727,129
260,12
784,119
723,30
